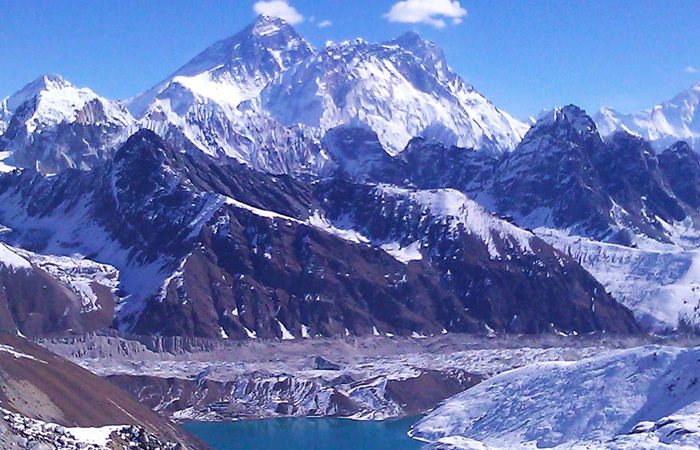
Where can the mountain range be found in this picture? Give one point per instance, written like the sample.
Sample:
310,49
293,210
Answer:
264,89
269,189
665,124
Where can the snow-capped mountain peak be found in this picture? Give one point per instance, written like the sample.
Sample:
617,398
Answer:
421,48
266,25
266,97
247,48
47,82
401,89
570,115
50,100
234,69
663,125
51,124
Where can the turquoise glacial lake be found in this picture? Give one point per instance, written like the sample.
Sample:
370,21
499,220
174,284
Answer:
306,434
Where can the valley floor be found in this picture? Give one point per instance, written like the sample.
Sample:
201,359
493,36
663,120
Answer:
370,378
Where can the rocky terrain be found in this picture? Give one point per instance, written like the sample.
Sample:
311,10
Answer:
47,295
48,402
354,231
364,378
613,205
262,207
19,432
212,249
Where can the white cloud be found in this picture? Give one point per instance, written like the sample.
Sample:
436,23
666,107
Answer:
431,12
281,9
325,24
691,70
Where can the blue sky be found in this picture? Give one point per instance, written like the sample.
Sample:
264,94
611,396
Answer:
524,55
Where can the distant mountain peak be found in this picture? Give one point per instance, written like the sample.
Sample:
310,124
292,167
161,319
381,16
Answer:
422,49
265,33
568,115
46,82
567,112
401,89
51,125
411,40
410,37
266,87
50,81
265,25
236,68
663,124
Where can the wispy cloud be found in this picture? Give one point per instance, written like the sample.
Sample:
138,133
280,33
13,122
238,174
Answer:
325,24
279,8
691,70
432,12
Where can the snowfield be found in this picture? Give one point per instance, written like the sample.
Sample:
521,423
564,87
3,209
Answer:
647,397
659,283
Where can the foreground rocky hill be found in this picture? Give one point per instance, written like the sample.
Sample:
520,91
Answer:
48,402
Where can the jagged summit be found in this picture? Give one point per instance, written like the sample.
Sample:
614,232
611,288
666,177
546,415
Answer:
234,69
425,50
400,89
556,130
265,34
409,38
412,41
46,82
664,124
51,125
141,146
570,114
266,97
265,25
